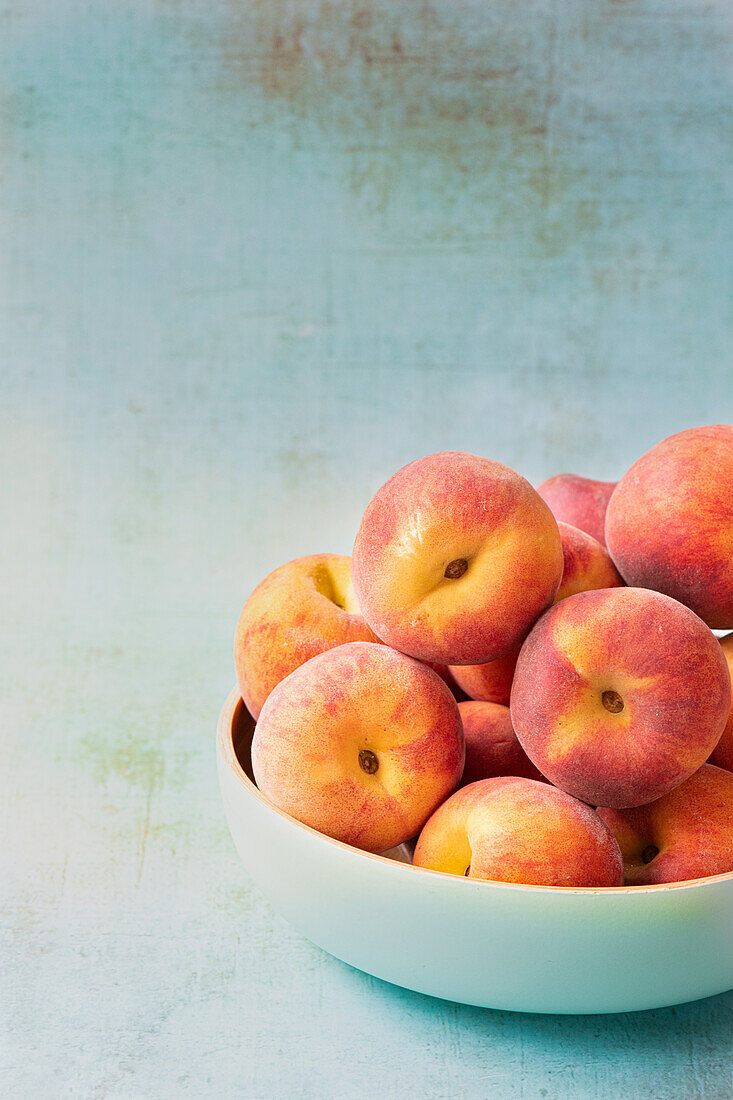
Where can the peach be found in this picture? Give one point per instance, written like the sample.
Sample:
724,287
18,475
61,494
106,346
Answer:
579,501
517,830
586,565
619,695
447,677
455,558
490,682
302,608
722,754
491,743
361,743
669,524
686,834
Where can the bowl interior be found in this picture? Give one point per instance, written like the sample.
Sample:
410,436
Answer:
236,730
533,948
243,728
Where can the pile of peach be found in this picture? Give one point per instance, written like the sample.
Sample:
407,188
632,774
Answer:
478,675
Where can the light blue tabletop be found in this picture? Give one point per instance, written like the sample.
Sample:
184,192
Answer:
257,254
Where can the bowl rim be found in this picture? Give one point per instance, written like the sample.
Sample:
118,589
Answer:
226,748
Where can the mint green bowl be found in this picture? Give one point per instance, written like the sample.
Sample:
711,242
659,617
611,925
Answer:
499,945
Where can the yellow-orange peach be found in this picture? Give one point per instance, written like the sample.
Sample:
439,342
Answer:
686,834
302,608
586,565
517,830
722,754
669,524
455,558
579,501
619,695
361,743
492,747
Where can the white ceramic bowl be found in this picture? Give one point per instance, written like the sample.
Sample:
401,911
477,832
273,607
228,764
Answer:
529,948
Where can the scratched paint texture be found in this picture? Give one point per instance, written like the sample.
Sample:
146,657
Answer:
255,255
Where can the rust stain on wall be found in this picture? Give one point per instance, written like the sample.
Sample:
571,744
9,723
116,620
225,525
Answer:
534,122
465,87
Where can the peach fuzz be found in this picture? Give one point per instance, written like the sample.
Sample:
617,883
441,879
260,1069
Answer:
684,835
455,558
619,695
579,501
491,743
722,754
516,830
447,677
669,524
361,743
586,565
300,609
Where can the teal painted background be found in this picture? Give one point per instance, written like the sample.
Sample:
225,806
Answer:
255,255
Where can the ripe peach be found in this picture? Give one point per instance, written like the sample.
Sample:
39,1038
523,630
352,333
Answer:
516,830
722,754
491,743
669,524
302,608
686,834
490,682
455,558
447,677
619,695
579,501
361,743
586,565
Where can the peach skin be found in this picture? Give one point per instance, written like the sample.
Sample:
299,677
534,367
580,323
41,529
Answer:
490,682
579,501
447,677
300,609
455,558
669,524
361,743
619,695
491,743
722,754
509,829
586,565
686,834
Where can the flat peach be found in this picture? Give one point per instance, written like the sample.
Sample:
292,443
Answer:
455,558
490,682
579,501
669,524
510,829
447,677
492,747
586,565
361,743
620,695
686,834
300,609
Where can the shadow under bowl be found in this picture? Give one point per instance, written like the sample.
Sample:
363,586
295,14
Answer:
498,945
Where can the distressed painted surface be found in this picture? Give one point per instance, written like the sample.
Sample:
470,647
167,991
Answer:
256,255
